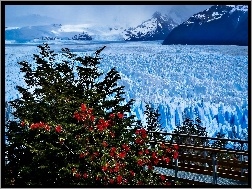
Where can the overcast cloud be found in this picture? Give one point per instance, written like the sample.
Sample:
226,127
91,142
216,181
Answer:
101,14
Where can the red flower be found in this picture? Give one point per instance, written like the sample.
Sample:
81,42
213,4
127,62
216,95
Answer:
22,123
36,125
143,133
102,125
32,126
126,147
162,145
110,122
168,150
119,179
147,151
140,153
120,115
83,107
105,178
112,151
112,116
139,183
92,118
82,155
150,167
154,155
140,162
91,128
132,173
58,129
163,177
111,181
104,144
77,175
90,111
47,127
137,131
155,159
116,169
77,116
112,154
96,154
175,146
105,167
166,160
85,175
167,183
97,177
175,155
122,154
139,141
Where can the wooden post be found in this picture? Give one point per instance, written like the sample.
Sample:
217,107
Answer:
176,169
214,160
205,154
242,159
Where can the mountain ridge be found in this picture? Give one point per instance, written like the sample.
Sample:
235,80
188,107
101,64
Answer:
155,28
217,25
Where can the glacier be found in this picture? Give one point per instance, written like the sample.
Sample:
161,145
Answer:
209,82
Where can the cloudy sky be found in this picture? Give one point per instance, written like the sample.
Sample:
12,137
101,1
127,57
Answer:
20,15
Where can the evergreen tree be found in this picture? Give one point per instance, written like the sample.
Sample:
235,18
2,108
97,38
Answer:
221,144
153,123
73,128
189,127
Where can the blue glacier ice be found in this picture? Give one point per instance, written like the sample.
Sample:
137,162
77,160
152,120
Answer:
209,82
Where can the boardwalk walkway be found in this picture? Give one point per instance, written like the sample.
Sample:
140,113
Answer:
198,177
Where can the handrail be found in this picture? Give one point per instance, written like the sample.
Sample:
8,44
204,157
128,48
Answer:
196,136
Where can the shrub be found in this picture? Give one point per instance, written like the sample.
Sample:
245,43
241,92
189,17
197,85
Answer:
73,128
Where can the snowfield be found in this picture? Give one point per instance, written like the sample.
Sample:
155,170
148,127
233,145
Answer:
206,81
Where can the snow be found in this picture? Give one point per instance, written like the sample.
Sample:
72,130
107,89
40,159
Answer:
243,8
199,16
205,81
216,15
11,28
32,33
74,28
97,32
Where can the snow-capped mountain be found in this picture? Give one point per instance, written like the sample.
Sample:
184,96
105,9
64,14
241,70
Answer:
181,13
156,28
64,32
217,25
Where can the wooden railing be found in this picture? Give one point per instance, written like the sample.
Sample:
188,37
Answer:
208,163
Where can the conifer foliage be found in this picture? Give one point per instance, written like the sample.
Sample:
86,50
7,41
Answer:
153,122
73,128
190,127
